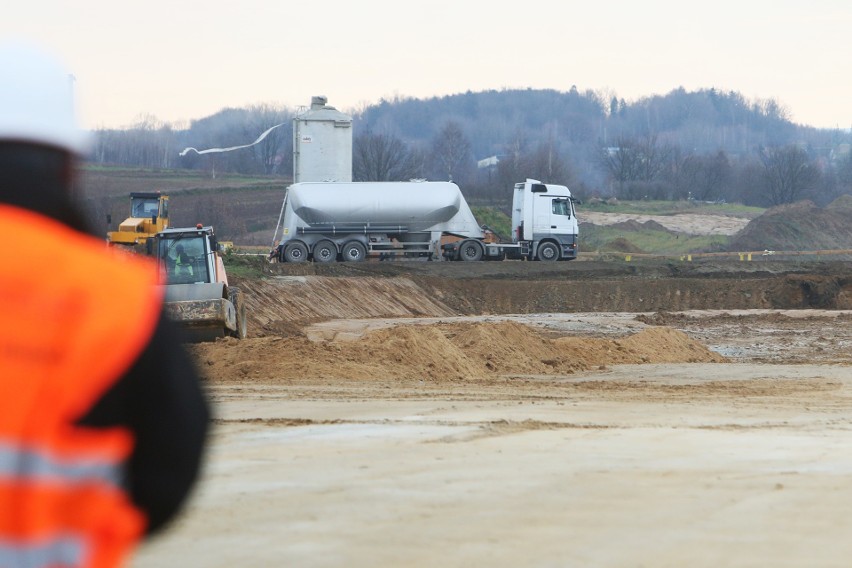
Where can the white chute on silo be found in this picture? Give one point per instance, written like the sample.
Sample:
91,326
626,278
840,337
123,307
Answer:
260,138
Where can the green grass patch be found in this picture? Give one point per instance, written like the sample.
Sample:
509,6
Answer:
182,178
250,267
230,190
498,221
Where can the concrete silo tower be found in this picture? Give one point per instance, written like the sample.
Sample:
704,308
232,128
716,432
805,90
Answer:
322,144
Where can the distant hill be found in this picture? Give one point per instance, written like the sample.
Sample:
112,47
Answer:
706,120
707,145
495,122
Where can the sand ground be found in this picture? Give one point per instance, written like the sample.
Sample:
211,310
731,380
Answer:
744,462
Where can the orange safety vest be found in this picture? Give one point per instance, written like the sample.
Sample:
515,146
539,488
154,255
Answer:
74,316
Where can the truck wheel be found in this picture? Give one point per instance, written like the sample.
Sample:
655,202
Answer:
470,250
547,252
353,251
296,252
325,251
236,297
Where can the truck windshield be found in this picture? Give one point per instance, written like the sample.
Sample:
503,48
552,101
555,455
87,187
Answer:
184,259
561,207
144,207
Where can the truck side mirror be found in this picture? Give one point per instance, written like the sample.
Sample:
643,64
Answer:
109,219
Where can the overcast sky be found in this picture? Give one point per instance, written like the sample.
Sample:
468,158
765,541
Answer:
186,59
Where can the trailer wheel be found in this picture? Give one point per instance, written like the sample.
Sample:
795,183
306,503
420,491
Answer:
325,251
353,251
296,252
547,252
236,297
470,251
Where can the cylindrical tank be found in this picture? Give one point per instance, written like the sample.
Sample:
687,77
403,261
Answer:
322,144
420,206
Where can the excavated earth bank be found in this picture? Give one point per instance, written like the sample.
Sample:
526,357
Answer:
292,297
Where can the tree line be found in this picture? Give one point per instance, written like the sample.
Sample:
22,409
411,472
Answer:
705,145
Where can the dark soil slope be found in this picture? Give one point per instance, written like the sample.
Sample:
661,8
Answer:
800,226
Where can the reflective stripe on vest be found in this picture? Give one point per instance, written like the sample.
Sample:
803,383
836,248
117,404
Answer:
60,551
37,465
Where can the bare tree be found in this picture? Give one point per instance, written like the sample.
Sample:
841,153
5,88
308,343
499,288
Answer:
636,161
772,109
682,173
275,152
652,158
546,165
147,143
701,177
788,174
382,157
716,176
451,151
621,162
844,172
510,168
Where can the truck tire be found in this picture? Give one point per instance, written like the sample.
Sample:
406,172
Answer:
325,251
236,297
296,252
470,251
547,252
353,251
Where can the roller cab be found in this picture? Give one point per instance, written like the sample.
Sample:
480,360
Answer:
197,294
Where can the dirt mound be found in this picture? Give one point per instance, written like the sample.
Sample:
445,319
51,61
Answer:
666,345
634,225
509,347
684,223
621,245
844,202
664,318
652,345
798,226
281,305
438,353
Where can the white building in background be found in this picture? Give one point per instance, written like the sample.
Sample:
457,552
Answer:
490,162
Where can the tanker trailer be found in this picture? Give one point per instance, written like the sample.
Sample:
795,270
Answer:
351,221
325,221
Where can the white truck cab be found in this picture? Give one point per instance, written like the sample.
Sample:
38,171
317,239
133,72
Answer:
544,220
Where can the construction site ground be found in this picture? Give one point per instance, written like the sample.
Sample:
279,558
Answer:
506,414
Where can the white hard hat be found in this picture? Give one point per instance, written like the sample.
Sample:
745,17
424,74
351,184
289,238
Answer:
36,99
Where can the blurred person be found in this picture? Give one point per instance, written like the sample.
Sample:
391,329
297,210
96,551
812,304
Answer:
183,264
103,419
